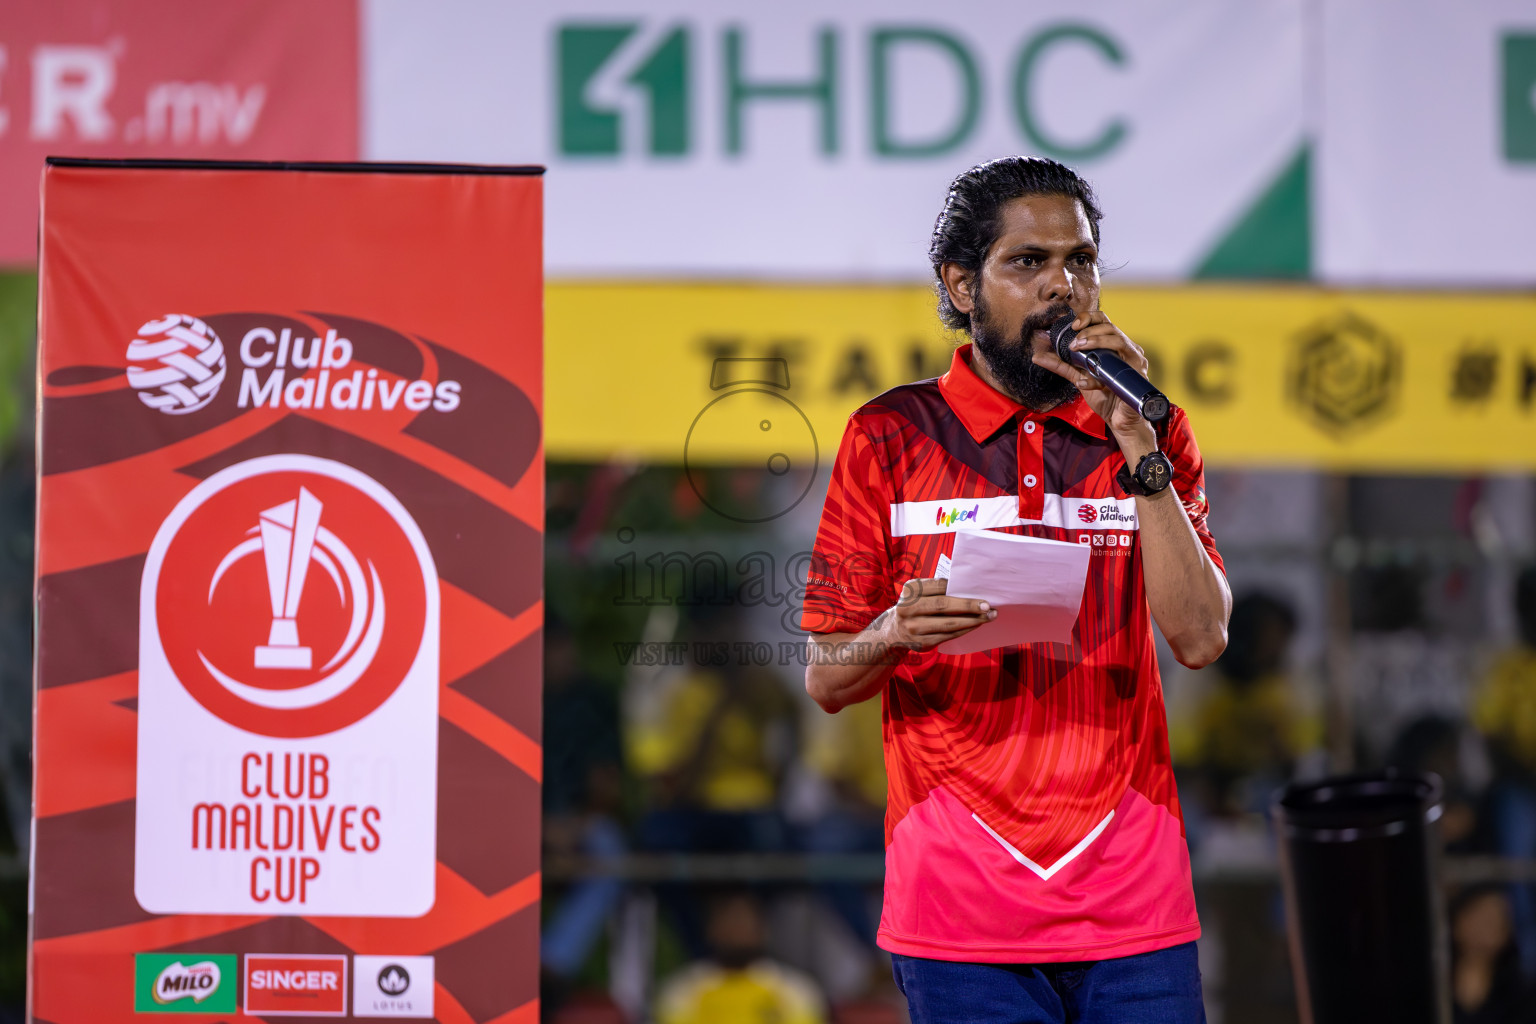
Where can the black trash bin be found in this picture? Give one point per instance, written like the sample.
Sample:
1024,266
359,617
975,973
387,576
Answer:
1359,857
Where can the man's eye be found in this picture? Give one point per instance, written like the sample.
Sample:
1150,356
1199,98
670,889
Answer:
1027,261
1082,259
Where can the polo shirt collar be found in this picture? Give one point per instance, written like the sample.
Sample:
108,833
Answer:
984,410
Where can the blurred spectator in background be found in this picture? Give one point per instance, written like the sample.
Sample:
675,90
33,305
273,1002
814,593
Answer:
1505,710
1241,742
1451,750
583,773
713,755
1486,984
1251,728
737,984
847,753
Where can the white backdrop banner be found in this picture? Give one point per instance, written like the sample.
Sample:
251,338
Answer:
800,139
1426,172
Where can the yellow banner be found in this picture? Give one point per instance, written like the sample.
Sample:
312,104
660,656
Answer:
767,374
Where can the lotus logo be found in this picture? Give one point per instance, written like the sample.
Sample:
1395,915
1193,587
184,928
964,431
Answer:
394,980
1087,513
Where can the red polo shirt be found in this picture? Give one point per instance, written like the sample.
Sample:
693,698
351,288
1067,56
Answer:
1032,815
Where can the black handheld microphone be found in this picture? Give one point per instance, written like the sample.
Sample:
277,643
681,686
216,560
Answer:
1110,370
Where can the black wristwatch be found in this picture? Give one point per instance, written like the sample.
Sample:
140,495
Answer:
1153,475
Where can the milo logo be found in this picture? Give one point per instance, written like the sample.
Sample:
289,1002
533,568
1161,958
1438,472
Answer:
184,983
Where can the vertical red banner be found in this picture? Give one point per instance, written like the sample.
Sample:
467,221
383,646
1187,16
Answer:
289,592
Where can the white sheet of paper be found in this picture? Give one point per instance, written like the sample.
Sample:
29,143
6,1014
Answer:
1035,584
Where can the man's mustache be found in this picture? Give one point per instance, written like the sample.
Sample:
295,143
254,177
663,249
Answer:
1042,320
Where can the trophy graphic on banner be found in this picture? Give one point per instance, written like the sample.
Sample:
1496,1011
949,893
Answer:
287,540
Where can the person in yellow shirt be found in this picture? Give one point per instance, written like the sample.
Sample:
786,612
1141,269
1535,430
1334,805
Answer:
711,747
712,750
1505,707
738,984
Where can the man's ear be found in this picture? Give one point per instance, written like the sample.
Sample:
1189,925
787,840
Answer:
958,282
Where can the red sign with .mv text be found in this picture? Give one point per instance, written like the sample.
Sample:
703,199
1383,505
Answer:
296,985
240,80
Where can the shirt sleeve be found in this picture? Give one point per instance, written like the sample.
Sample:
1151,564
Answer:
1178,442
849,580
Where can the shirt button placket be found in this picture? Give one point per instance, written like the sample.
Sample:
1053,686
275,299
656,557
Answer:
1031,471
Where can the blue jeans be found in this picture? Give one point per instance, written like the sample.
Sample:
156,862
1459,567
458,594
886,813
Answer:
1161,987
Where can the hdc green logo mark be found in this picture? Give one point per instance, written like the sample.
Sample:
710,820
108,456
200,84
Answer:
663,74
185,982
1520,98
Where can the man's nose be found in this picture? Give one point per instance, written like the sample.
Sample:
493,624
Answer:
1056,285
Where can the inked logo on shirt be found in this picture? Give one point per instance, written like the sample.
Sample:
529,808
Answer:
956,515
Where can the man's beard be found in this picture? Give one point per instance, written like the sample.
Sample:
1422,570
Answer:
1029,383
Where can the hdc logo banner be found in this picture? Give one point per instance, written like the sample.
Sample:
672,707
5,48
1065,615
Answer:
800,140
289,582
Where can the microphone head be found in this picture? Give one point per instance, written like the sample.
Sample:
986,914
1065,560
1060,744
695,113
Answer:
1061,334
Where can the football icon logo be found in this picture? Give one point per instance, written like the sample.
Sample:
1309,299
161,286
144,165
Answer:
289,595
1087,513
176,364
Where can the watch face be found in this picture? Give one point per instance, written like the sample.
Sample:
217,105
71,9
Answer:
1156,473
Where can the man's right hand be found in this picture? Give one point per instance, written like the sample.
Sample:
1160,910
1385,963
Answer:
846,668
925,616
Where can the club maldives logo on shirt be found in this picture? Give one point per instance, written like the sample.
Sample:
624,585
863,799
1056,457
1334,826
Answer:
949,517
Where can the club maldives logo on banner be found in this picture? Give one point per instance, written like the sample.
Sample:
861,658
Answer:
288,647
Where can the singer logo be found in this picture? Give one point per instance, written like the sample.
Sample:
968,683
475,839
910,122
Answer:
1087,513
290,599
957,515
312,985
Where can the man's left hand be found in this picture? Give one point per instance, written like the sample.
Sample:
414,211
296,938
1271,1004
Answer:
1129,428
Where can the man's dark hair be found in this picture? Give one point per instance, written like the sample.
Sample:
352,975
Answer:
972,217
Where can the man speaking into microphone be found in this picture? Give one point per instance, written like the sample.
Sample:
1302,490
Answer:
1036,868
